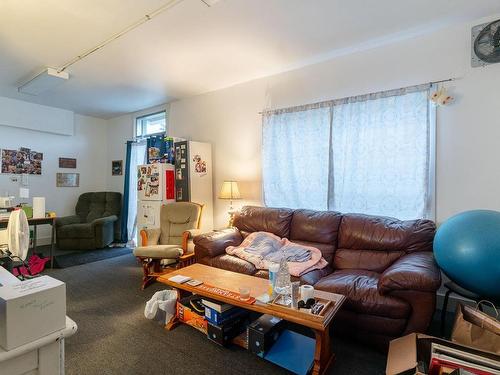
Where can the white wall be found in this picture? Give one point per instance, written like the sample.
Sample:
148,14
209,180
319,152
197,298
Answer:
467,134
119,130
468,131
87,145
50,119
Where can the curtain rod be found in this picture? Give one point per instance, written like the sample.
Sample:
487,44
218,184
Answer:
372,93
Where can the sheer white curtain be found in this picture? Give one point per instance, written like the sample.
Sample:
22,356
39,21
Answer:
380,152
369,154
137,157
295,158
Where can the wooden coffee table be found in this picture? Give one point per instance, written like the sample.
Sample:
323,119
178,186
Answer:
232,281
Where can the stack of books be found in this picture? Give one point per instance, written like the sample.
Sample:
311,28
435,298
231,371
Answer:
446,360
219,313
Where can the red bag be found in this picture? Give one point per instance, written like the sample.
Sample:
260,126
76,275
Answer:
35,266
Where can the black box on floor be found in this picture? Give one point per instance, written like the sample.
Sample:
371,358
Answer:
223,334
263,333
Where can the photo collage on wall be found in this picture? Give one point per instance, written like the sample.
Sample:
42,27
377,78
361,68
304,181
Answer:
160,149
22,161
148,179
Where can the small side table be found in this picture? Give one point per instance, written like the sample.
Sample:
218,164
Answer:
35,222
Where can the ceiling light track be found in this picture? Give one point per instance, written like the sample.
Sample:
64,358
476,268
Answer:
146,18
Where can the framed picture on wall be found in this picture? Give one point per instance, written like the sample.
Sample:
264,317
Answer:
117,167
67,163
68,179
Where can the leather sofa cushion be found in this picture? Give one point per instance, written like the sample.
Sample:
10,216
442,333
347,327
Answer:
256,219
366,232
374,242
315,226
371,260
85,230
232,263
360,288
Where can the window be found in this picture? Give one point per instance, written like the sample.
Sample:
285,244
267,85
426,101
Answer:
370,154
153,124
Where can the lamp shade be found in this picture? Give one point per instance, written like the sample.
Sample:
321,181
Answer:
229,190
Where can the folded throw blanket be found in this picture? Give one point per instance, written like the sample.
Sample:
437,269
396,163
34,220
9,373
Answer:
263,248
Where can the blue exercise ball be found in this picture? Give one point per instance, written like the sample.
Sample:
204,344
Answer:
467,248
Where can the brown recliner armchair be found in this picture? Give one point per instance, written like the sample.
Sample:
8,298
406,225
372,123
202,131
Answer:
384,266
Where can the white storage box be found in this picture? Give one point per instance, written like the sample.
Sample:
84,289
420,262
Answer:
30,310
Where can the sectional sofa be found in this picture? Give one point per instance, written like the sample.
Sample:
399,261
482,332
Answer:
384,266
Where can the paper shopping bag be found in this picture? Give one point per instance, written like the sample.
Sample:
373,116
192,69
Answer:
476,328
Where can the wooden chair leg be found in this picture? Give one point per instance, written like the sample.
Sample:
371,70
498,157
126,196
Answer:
147,278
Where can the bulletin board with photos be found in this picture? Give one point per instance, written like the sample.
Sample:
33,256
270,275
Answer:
21,161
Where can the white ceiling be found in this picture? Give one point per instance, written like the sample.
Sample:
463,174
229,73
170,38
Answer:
192,49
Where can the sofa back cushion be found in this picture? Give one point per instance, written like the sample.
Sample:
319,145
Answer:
93,206
263,219
373,243
316,228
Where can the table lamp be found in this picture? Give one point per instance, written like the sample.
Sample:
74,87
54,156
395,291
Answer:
229,190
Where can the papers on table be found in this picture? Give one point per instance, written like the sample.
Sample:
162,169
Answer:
179,279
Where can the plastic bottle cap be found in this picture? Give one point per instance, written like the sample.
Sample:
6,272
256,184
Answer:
274,267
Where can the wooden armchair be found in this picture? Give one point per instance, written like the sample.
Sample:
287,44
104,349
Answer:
170,246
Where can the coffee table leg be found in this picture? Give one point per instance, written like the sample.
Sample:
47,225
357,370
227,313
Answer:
174,321
323,356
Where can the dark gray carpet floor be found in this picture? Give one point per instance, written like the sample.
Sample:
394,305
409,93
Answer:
70,258
113,336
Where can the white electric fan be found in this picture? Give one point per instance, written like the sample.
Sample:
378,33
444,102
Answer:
14,241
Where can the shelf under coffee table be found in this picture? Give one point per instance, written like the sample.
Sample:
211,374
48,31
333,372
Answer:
232,281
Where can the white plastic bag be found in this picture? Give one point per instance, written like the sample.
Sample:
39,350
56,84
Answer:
161,306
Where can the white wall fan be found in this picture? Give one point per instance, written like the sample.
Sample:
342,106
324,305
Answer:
486,44
14,240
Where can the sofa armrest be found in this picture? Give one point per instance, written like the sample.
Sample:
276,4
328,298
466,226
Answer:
67,220
187,240
214,243
150,236
415,271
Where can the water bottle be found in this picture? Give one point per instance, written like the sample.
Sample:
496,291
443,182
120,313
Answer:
283,283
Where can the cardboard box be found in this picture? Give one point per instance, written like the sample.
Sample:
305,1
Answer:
190,317
223,334
263,333
218,318
30,310
410,354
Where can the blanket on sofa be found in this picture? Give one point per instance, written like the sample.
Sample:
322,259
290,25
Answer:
263,248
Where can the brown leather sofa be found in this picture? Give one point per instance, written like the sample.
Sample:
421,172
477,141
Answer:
384,266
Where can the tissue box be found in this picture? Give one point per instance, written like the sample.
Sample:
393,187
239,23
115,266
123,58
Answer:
30,310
